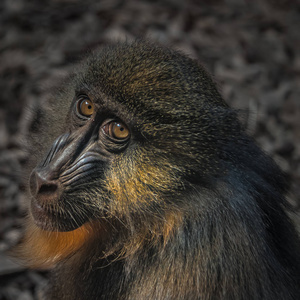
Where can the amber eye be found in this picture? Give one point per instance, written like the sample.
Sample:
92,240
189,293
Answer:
85,107
117,130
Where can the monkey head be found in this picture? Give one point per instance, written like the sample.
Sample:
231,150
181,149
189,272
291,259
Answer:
136,127
140,122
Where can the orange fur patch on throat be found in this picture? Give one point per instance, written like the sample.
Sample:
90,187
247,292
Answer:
44,249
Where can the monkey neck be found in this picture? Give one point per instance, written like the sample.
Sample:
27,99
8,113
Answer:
44,249
155,269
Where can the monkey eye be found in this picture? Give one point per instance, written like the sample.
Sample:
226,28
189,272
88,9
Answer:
85,107
116,130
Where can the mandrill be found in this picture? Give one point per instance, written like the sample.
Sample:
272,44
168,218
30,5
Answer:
147,187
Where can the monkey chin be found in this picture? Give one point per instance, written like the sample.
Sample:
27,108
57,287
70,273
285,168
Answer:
52,218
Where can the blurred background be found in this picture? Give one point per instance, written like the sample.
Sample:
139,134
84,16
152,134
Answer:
252,48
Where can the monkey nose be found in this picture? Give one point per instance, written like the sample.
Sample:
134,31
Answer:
42,184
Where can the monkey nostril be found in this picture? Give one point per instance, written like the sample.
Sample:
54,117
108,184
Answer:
40,184
48,188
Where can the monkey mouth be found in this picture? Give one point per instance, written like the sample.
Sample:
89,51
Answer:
52,218
47,204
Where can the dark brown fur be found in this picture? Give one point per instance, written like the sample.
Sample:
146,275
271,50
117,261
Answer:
188,208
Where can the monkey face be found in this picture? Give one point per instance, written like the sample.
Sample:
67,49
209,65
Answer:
60,184
140,121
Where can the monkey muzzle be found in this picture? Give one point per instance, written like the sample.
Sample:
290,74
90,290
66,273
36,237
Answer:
65,167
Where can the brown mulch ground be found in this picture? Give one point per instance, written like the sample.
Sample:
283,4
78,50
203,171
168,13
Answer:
251,47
